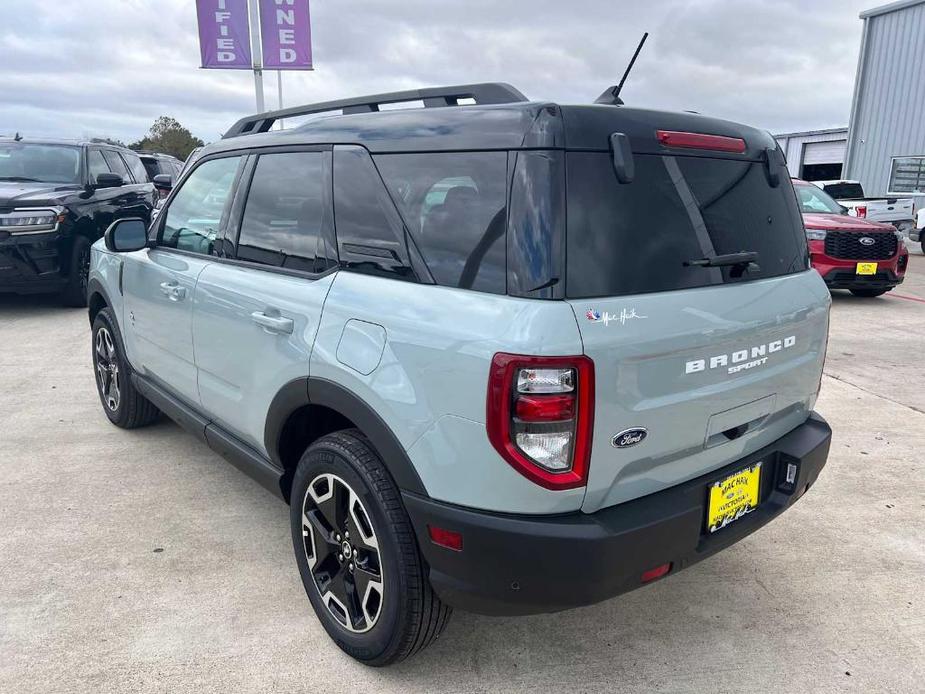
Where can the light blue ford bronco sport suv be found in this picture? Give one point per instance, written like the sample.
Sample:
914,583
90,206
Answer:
506,356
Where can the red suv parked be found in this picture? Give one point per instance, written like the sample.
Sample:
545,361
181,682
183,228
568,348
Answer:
850,253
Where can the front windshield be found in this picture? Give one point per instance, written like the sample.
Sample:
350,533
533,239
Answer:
814,199
44,163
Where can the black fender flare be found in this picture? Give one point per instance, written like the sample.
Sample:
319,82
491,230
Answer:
320,391
94,286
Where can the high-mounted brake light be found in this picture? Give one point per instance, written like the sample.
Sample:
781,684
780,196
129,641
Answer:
717,143
540,416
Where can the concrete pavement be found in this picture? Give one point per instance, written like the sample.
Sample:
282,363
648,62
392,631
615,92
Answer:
141,561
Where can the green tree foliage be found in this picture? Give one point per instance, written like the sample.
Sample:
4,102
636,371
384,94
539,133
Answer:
169,137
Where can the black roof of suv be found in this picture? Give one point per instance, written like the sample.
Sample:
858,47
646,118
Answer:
496,116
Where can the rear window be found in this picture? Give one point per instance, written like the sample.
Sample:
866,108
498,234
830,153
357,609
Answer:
453,204
844,191
635,238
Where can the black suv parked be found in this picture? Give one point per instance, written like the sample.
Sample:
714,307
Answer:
57,198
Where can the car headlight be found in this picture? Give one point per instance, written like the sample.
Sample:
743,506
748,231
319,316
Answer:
29,220
815,234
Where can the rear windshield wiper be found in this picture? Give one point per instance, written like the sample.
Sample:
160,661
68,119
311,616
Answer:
739,262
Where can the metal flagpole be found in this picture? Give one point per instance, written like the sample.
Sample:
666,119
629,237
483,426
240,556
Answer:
279,86
256,53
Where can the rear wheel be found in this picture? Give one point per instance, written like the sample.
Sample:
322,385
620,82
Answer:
75,291
868,293
357,553
124,406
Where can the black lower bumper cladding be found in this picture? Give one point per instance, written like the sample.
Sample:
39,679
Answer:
517,564
848,279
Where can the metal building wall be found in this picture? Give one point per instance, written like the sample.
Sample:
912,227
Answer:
888,110
793,144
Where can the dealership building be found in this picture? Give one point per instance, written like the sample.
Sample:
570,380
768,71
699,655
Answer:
884,144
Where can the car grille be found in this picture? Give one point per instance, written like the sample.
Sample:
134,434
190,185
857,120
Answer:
847,245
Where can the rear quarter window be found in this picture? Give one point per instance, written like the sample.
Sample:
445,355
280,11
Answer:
635,238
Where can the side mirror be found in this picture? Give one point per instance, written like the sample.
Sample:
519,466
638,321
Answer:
163,182
126,235
108,180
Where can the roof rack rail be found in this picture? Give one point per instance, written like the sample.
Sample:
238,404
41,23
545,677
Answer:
433,97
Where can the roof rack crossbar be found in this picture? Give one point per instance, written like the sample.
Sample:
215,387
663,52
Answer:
433,97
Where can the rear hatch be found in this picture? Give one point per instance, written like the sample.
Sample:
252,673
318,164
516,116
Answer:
700,365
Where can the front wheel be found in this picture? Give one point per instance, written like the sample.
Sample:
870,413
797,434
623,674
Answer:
124,406
868,293
357,553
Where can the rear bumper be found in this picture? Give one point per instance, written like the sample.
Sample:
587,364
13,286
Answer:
34,263
533,564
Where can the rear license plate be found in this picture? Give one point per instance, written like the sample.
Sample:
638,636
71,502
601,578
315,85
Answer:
867,269
733,497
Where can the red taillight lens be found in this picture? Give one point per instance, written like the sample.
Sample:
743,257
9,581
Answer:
544,408
540,415
718,143
862,211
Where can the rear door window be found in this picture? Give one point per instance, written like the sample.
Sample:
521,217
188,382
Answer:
638,237
286,212
454,206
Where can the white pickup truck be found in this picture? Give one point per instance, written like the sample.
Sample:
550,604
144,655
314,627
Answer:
900,212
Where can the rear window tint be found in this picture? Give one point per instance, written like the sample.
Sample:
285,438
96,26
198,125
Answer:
845,191
635,238
453,204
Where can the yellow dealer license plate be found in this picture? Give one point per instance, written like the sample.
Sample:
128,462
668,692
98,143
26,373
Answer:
867,269
733,497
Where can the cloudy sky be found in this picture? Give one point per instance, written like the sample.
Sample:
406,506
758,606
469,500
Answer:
77,68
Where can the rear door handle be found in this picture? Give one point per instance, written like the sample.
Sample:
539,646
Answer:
173,291
273,322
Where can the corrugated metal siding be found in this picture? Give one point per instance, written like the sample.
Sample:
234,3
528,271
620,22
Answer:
793,146
888,118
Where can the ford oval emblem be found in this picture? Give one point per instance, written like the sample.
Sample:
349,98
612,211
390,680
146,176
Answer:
866,241
629,437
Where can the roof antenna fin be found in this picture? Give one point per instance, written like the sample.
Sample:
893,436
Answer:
611,95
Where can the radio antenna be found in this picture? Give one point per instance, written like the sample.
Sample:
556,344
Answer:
611,96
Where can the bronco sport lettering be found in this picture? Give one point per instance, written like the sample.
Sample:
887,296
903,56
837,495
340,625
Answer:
757,354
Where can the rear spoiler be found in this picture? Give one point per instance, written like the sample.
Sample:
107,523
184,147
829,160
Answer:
433,97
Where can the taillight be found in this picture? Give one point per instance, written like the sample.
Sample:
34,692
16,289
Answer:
540,416
862,211
717,143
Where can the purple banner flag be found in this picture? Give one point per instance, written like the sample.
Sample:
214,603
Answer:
286,34
224,40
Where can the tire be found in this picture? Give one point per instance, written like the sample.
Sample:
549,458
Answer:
341,488
869,293
75,291
124,406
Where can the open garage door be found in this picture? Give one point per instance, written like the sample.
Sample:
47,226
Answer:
823,160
